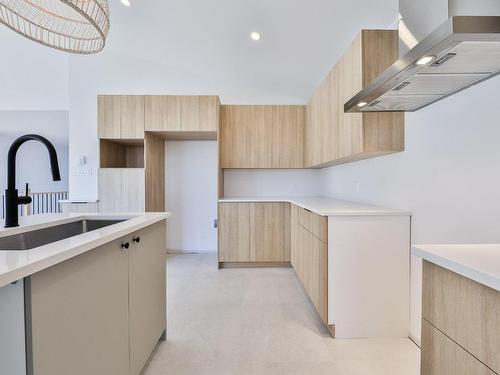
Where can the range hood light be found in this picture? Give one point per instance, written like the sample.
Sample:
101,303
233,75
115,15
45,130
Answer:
425,60
362,104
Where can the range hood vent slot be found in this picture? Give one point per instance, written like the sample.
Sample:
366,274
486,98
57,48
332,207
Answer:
462,52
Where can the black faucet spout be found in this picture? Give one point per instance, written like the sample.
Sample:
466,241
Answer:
12,200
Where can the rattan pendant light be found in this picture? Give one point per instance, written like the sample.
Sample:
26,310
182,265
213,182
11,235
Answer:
76,26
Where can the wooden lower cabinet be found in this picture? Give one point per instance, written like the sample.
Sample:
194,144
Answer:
234,232
254,232
268,232
443,356
310,262
101,312
468,314
121,190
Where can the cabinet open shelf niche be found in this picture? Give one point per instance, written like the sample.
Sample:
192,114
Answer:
121,153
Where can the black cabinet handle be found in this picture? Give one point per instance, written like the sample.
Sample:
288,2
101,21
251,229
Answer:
136,239
125,245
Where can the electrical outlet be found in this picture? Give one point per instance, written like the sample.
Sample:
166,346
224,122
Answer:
84,172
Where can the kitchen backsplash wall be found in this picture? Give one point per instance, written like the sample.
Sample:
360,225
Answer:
272,182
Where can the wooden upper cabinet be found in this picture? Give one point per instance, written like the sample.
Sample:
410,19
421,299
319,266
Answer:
199,113
163,113
259,121
108,116
262,136
334,137
120,116
167,113
288,136
132,117
233,140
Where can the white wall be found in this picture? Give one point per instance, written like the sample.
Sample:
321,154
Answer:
33,77
33,164
448,177
158,47
272,182
191,195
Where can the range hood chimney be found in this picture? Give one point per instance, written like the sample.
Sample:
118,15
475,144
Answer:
445,47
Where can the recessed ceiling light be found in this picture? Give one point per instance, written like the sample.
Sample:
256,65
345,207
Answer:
425,60
362,104
126,3
255,35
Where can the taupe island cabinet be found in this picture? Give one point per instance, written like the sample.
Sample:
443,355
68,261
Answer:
82,294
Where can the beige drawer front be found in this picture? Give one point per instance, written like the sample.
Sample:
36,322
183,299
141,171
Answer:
466,311
316,224
442,356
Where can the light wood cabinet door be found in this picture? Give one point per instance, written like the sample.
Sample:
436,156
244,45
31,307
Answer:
132,117
79,315
233,140
288,136
199,113
314,223
234,232
133,190
121,190
334,137
310,262
268,232
262,136
443,356
450,300
259,135
163,113
120,116
110,190
350,83
294,235
147,293
108,117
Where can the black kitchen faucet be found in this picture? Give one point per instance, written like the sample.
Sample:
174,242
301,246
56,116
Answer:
12,200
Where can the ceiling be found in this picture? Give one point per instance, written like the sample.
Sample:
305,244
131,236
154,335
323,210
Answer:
200,46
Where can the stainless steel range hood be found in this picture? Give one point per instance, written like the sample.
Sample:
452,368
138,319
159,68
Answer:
462,52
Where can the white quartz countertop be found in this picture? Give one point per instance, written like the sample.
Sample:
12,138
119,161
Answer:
480,263
14,265
326,206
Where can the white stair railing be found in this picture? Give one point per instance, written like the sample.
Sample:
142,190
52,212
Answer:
42,203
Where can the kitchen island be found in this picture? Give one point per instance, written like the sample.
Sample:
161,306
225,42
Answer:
92,302
460,309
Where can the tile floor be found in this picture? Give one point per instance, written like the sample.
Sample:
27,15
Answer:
259,321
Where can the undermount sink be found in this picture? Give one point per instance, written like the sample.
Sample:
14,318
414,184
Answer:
32,239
